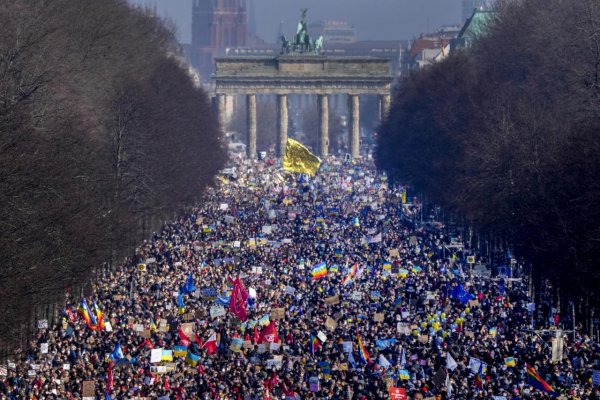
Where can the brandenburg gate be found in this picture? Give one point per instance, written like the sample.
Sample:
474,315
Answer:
302,73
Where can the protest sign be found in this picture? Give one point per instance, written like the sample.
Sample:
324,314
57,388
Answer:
397,393
322,336
313,384
277,313
356,296
188,329
217,311
333,300
88,389
347,347
596,377
330,324
155,355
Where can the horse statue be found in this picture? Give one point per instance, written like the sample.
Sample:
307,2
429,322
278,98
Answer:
286,46
318,45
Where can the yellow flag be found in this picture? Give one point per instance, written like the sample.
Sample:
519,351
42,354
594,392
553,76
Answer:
299,159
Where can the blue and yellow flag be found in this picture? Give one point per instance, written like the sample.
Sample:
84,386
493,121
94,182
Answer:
299,159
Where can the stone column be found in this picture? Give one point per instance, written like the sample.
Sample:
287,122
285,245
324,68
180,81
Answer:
251,124
323,105
384,106
222,110
282,123
354,111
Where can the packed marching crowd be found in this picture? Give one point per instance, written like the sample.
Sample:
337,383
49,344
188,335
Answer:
282,286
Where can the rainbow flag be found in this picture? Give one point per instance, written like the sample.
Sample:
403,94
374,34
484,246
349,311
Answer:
99,316
479,377
86,314
313,343
319,271
537,382
362,351
351,274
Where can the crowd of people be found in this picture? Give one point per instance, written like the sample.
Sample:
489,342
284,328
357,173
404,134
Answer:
282,286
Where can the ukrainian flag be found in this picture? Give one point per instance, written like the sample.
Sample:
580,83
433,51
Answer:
180,351
192,359
510,362
298,158
167,355
404,375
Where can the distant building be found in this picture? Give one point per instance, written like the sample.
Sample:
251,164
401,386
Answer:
475,26
469,5
333,31
430,48
216,26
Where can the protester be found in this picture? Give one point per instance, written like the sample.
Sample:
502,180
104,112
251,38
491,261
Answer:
283,286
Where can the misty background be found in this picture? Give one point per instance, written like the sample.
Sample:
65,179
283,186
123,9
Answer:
373,19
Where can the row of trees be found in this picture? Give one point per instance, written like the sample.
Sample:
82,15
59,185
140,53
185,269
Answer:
505,134
102,136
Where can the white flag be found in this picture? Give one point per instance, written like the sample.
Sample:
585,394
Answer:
450,363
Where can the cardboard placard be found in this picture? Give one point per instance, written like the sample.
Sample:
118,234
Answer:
188,329
322,337
217,311
330,324
189,316
333,300
277,313
424,339
88,389
379,317
146,334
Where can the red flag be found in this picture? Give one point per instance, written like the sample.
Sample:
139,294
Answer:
183,339
211,343
274,380
239,300
201,369
71,315
269,334
147,343
198,340
256,337
110,380
166,383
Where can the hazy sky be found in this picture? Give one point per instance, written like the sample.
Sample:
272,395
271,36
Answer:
373,19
